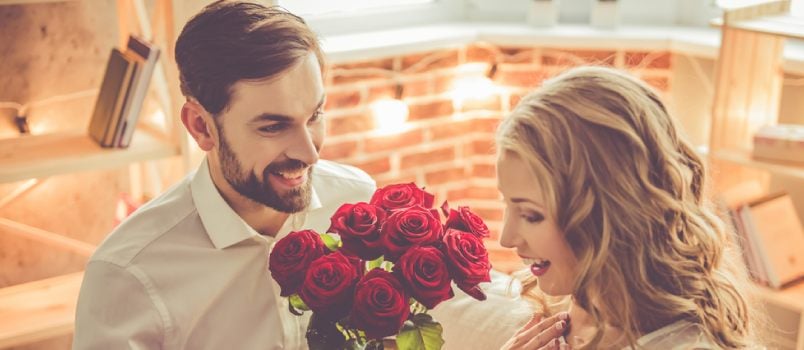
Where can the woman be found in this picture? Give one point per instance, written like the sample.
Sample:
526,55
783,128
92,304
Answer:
605,203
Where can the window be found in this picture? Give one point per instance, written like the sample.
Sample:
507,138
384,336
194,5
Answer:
328,7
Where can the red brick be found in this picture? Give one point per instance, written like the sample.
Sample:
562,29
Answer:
484,146
443,83
390,142
342,99
530,78
412,88
382,64
375,167
484,171
486,125
451,129
446,59
491,103
489,214
440,177
514,99
430,110
475,53
348,124
517,54
474,192
416,160
573,58
660,59
385,181
338,150
659,83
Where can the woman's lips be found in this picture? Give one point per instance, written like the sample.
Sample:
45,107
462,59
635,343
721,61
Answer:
538,267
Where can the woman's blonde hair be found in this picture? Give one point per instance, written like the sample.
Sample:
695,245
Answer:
627,191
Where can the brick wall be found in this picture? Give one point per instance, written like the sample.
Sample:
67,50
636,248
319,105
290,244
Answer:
447,146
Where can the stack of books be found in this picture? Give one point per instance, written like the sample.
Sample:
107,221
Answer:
771,236
125,84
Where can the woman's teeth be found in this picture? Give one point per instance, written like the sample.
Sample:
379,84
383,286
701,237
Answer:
536,262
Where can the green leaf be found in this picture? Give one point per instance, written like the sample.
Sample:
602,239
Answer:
297,305
375,263
331,242
423,333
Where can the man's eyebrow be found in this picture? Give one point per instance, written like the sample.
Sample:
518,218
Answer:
271,117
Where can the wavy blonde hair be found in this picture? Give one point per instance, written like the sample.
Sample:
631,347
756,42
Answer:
627,191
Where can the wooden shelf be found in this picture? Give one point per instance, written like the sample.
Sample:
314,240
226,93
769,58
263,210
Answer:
38,310
27,157
744,158
784,25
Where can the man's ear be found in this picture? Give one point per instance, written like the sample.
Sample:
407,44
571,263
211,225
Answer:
199,124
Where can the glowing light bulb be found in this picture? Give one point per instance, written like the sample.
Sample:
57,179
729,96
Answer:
390,115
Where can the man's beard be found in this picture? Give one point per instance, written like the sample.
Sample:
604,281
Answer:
249,186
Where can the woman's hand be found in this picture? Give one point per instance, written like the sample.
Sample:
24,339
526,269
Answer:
541,334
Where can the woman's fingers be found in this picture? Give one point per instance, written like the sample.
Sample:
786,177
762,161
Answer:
540,333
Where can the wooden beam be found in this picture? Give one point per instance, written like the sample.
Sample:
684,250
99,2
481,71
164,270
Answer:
73,245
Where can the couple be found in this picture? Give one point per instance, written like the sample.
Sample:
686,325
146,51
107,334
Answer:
604,202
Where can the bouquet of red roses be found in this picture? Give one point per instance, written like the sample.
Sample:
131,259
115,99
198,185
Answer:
380,268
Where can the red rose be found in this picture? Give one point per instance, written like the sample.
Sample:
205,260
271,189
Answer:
465,220
381,304
401,196
468,261
329,284
410,227
425,270
291,256
359,227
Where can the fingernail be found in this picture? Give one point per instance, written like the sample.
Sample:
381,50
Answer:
563,316
560,326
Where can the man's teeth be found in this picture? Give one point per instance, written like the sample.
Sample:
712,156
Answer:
291,175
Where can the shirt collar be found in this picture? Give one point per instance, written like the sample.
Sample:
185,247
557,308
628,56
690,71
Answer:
224,227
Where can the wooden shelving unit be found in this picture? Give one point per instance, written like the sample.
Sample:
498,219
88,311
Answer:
46,155
748,86
44,309
38,310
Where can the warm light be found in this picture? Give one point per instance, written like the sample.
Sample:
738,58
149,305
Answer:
475,88
390,115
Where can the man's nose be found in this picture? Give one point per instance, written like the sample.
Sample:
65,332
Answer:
303,147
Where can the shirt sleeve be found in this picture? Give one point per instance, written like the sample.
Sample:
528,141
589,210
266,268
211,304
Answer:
116,311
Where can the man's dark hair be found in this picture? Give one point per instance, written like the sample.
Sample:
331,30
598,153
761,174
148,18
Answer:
230,41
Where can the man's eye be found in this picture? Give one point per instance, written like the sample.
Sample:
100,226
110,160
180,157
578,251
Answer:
272,128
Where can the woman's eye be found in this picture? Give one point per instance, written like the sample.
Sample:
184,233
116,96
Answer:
316,117
533,218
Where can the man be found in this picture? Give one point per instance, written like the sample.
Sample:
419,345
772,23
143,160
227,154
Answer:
189,269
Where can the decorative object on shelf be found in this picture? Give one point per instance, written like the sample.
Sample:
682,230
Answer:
605,13
543,13
394,260
783,142
120,70
122,92
772,238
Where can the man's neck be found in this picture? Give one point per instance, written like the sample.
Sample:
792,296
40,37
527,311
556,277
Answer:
266,221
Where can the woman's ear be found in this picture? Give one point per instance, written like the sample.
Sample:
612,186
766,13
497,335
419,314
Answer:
199,124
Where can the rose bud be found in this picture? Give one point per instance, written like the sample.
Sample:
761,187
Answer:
465,220
359,227
426,273
410,227
381,304
329,284
291,256
468,261
401,196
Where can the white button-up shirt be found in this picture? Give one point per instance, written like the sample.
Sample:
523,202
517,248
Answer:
186,272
